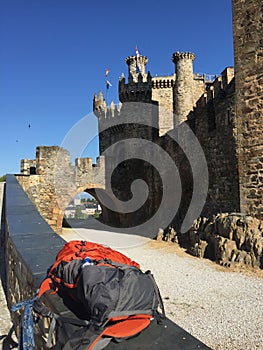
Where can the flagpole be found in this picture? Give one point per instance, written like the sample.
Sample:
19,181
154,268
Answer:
106,95
107,86
137,58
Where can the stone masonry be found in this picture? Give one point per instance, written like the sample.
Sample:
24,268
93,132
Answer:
51,181
183,94
248,46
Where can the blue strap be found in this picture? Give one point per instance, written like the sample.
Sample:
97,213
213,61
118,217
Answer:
26,340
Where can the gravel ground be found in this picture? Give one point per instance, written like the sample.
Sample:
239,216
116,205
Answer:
222,307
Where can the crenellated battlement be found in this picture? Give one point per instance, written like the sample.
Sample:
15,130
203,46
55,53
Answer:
102,111
139,90
137,68
177,56
176,94
51,158
55,181
99,105
27,166
163,82
220,87
86,164
139,85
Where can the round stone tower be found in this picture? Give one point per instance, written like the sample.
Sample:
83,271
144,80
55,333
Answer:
183,85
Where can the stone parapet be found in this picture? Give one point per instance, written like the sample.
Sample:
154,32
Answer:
30,249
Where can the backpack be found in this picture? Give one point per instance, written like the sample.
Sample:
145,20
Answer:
117,299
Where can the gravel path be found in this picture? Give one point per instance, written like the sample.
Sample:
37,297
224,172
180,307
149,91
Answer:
222,308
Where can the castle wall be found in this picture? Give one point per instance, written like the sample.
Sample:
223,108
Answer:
248,51
215,128
198,88
138,121
162,91
56,181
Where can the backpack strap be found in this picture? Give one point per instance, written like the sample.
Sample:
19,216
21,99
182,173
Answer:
115,314
107,261
26,339
45,286
158,294
62,319
86,338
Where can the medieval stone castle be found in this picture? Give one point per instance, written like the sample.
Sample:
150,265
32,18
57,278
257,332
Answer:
206,106
225,114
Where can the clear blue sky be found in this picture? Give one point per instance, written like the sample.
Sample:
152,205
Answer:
54,53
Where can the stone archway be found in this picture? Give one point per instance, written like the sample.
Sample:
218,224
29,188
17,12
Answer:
110,214
56,181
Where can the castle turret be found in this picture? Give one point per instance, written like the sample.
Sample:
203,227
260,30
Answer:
183,84
136,66
99,105
139,87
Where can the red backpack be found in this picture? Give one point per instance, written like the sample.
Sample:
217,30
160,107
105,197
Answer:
117,298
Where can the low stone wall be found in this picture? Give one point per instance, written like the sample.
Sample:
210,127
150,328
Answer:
30,248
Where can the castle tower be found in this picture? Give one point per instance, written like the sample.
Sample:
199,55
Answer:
136,66
99,105
183,84
139,87
248,51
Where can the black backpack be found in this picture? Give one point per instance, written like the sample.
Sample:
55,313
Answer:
116,298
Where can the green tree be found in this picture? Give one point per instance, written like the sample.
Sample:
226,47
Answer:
79,214
3,178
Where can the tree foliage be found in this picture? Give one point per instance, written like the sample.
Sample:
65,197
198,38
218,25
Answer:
3,178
